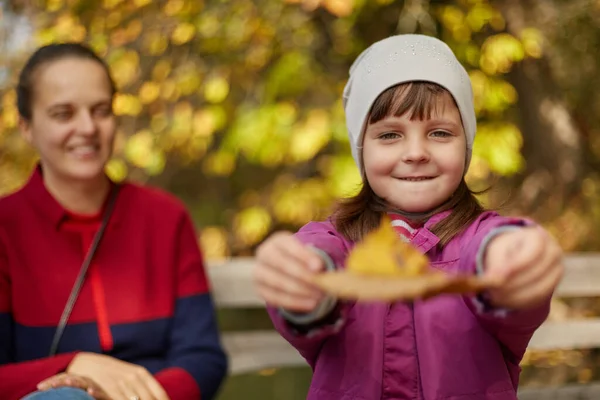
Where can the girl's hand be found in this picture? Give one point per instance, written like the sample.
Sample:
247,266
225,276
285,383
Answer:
283,272
76,381
527,263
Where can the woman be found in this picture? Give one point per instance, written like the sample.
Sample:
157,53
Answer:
116,266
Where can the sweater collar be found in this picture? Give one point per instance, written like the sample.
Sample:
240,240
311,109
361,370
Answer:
42,200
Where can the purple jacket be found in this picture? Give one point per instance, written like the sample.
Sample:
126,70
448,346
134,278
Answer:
445,348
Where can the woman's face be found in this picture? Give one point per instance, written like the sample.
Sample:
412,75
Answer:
72,124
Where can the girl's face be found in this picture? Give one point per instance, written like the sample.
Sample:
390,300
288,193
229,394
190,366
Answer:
72,124
416,165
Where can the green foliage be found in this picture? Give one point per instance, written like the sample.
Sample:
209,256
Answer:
248,92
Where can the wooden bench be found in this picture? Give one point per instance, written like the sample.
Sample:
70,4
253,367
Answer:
252,351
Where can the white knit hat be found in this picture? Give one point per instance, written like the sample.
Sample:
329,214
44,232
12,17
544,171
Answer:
400,59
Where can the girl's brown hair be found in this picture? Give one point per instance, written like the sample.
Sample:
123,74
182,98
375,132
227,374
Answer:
356,216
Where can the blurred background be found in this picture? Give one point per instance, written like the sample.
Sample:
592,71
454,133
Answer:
234,106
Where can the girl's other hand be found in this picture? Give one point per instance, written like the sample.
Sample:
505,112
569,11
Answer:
283,273
528,264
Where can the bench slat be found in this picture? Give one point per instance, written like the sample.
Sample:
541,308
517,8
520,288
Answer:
582,276
568,392
567,335
233,287
256,350
252,351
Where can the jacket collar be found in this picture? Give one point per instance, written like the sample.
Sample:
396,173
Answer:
424,239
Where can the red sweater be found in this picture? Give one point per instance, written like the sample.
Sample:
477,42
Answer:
145,299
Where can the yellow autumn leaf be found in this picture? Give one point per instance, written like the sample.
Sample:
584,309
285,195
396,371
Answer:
339,8
183,33
499,52
309,138
189,80
45,36
479,15
110,4
383,268
139,148
159,122
113,20
216,89
134,29
116,169
533,41
161,70
54,5
125,67
174,7
141,3
169,90
382,252
127,104
155,43
204,123
66,27
252,224
149,92
452,16
219,164
213,242
9,114
156,162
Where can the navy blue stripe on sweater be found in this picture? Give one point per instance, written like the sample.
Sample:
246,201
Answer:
187,340
195,344
6,338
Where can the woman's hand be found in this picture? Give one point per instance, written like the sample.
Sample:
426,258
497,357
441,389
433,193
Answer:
75,381
119,379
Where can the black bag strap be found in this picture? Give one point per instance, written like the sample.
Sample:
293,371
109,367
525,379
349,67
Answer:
82,272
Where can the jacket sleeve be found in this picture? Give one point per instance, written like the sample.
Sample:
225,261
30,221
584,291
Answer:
308,339
512,328
17,379
196,361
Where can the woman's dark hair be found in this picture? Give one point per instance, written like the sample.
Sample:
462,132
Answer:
46,55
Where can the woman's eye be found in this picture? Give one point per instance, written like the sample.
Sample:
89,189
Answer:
62,115
103,111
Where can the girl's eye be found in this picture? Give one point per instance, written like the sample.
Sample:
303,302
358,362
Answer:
440,134
389,135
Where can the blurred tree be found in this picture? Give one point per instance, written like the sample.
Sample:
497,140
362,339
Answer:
242,97
559,117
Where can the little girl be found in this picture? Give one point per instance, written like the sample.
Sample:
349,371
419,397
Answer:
411,122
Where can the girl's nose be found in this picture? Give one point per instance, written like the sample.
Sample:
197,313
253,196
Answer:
415,151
